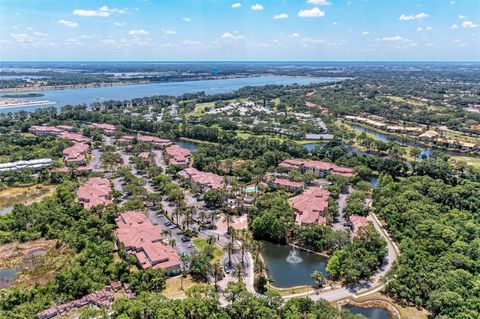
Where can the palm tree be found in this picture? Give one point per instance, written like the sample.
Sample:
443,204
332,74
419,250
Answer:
217,270
166,232
231,249
239,272
255,249
246,238
213,216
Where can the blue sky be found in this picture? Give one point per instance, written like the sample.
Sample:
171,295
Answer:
240,30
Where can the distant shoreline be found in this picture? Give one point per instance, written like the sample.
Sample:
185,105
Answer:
111,84
22,95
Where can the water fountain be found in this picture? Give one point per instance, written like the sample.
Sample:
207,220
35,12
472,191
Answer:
293,257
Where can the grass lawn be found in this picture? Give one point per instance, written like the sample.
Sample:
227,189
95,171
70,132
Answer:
247,135
473,161
200,108
173,286
201,243
291,291
406,100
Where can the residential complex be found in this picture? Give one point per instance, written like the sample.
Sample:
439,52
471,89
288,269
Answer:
319,168
177,155
203,181
310,206
96,191
144,240
107,129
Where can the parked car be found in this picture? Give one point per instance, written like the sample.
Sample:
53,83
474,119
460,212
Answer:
185,239
167,224
173,227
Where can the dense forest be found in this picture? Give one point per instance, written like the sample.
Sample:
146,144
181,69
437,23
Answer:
438,228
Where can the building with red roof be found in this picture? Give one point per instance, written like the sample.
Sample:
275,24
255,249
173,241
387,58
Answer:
44,130
96,191
203,181
75,154
144,240
310,206
357,221
177,155
107,129
288,185
318,168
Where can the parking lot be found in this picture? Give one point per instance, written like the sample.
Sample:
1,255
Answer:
180,246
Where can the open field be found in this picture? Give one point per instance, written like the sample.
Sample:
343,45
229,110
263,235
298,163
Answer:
473,161
14,195
200,108
292,290
38,260
173,286
201,244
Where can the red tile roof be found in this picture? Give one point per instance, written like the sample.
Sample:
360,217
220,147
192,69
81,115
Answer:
96,191
107,128
310,206
177,155
75,153
144,240
318,165
283,182
206,179
357,222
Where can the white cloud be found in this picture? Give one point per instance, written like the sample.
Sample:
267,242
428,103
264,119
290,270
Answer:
102,12
69,24
21,37
29,29
420,16
138,32
168,31
236,5
454,26
186,19
73,41
429,44
40,34
365,33
295,35
191,42
256,7
469,25
462,17
119,24
87,36
312,13
429,28
393,38
234,35
319,2
109,41
419,29
281,16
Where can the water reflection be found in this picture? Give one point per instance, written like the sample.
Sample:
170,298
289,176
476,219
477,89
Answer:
290,269
371,313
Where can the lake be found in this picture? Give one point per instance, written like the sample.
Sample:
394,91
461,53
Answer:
128,92
7,276
290,267
189,145
371,313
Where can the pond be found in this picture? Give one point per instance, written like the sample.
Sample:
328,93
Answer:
290,267
312,146
128,92
189,145
7,276
371,313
